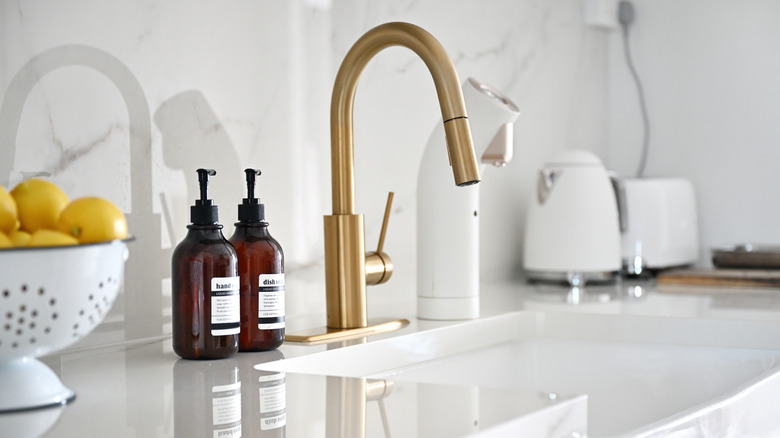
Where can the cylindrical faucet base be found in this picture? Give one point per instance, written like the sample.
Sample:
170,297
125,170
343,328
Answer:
345,288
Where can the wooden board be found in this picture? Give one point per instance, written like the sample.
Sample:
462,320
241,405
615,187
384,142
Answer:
721,277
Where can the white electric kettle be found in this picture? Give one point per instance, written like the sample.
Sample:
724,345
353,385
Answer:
573,225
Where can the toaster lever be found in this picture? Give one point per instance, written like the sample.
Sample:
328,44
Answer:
620,197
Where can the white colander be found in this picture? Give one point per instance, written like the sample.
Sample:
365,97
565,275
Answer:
50,298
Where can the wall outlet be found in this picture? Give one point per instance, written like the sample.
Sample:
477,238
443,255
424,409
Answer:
601,13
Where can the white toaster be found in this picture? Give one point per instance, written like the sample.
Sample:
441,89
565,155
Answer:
662,224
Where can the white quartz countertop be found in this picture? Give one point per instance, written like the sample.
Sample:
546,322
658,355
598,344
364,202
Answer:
142,389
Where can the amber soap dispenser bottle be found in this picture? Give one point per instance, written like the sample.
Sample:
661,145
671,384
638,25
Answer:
206,305
261,268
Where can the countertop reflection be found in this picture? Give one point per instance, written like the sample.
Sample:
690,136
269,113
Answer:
143,389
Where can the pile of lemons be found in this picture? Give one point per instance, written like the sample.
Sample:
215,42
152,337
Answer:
39,213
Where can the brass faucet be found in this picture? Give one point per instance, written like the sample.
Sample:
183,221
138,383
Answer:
347,268
346,405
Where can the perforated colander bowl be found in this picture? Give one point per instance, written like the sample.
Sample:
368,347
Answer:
50,298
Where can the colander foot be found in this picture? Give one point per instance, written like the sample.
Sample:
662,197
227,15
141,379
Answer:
29,384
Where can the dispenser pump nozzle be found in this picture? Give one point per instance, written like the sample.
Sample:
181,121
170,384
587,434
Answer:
251,210
204,211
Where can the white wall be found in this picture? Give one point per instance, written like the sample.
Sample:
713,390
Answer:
711,71
240,84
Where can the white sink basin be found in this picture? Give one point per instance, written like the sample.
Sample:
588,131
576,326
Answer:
642,375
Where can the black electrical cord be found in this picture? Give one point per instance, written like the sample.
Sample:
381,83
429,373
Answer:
626,17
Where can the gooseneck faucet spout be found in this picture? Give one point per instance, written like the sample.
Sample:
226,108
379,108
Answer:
348,269
448,89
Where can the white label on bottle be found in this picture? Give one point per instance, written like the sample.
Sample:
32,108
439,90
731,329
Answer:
226,410
272,398
274,422
225,388
231,432
270,309
273,401
225,306
280,376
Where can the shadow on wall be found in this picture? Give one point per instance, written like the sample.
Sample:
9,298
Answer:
192,137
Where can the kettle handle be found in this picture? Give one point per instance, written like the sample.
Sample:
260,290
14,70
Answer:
547,180
620,197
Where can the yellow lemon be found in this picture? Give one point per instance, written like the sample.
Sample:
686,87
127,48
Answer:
8,218
44,237
19,237
5,242
39,204
93,219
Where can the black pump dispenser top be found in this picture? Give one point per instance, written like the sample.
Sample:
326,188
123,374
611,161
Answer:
251,210
204,212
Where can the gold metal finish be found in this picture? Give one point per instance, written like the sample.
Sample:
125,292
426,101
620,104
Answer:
379,266
388,209
345,411
347,268
345,274
448,89
377,389
324,335
462,160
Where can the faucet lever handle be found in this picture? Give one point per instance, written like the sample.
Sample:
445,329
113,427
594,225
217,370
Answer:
382,233
379,266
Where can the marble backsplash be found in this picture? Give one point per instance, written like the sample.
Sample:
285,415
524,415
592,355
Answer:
125,99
